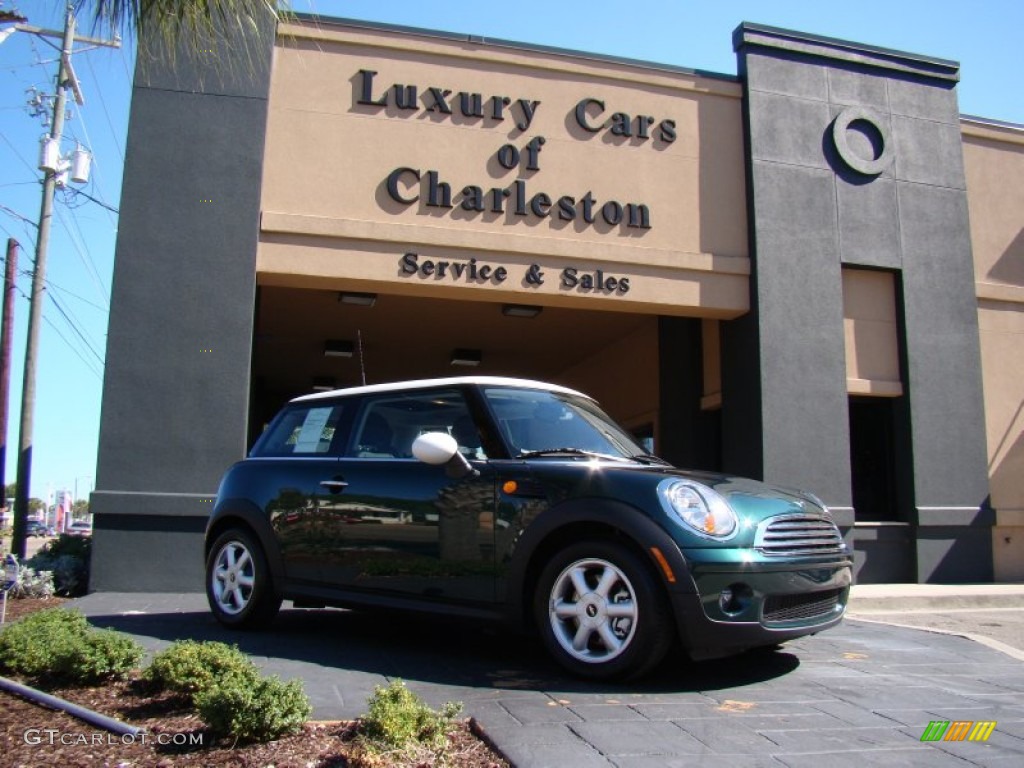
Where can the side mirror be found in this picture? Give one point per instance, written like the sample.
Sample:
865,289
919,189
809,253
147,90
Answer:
439,448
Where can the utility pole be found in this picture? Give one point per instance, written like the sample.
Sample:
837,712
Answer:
65,79
35,316
6,334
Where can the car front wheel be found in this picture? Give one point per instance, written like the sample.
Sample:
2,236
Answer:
238,584
601,613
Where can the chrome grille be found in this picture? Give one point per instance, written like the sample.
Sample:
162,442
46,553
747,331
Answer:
798,535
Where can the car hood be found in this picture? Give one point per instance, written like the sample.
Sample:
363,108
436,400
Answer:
751,498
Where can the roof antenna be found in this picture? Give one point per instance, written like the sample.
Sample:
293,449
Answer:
362,366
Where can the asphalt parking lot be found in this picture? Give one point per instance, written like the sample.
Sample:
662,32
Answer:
859,695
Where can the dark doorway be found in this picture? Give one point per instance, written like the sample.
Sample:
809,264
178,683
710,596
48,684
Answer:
883,544
872,460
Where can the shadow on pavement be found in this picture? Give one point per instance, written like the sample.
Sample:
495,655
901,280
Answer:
433,650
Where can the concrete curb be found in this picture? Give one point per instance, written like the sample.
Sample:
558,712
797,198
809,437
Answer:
915,597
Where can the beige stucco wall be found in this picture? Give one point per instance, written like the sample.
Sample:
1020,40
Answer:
871,333
994,165
328,219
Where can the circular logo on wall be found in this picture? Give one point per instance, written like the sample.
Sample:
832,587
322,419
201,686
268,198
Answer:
871,137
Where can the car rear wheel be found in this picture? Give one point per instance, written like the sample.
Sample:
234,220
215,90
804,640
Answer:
238,583
601,612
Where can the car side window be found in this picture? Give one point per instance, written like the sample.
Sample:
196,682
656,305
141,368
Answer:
390,423
308,430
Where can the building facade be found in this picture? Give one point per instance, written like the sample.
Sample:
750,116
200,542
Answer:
810,273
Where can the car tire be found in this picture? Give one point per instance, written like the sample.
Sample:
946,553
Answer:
238,582
601,613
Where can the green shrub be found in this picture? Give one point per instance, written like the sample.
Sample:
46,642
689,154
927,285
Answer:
103,655
39,642
59,646
32,583
253,710
398,719
67,558
189,666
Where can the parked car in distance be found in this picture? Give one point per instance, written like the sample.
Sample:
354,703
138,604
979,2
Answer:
522,502
79,528
36,528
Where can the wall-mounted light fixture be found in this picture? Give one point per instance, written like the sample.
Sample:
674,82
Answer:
324,383
469,357
520,310
358,299
338,348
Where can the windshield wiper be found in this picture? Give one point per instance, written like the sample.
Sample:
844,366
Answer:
568,452
650,458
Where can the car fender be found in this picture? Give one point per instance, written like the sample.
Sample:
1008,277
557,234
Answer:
241,512
607,515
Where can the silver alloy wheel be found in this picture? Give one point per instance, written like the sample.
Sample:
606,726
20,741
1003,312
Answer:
593,610
233,578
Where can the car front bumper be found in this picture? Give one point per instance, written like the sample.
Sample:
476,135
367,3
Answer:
736,607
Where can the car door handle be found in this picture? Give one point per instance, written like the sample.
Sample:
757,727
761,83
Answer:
334,486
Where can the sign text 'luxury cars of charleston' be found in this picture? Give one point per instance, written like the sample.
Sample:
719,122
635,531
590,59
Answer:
409,186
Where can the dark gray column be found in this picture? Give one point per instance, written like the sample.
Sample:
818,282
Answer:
855,160
688,437
789,355
176,388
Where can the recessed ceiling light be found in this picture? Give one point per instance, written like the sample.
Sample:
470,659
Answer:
359,299
521,310
469,357
337,348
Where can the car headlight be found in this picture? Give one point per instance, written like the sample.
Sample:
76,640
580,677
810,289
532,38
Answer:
813,498
699,507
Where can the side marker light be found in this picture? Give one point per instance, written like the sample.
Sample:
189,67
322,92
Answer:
665,567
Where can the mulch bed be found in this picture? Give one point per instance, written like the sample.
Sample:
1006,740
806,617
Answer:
31,735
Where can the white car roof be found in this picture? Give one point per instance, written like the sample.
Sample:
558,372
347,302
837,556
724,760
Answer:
449,381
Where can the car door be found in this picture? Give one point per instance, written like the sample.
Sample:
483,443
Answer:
292,471
402,527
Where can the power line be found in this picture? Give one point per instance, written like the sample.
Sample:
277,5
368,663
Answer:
61,288
106,113
30,226
75,192
72,294
18,153
74,327
90,266
88,364
16,215
77,325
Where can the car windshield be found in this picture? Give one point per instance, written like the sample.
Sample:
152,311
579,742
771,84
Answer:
539,422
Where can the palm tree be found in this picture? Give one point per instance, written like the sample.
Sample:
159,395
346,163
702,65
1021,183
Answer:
189,26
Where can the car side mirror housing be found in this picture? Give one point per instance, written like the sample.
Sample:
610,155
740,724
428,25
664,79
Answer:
440,448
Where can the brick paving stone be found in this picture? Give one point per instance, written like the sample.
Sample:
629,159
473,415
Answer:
698,761
538,712
598,713
912,757
576,755
633,738
728,737
848,739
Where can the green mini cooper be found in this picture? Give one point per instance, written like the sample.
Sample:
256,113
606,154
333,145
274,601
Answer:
522,502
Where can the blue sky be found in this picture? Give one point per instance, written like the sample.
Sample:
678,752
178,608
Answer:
982,36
